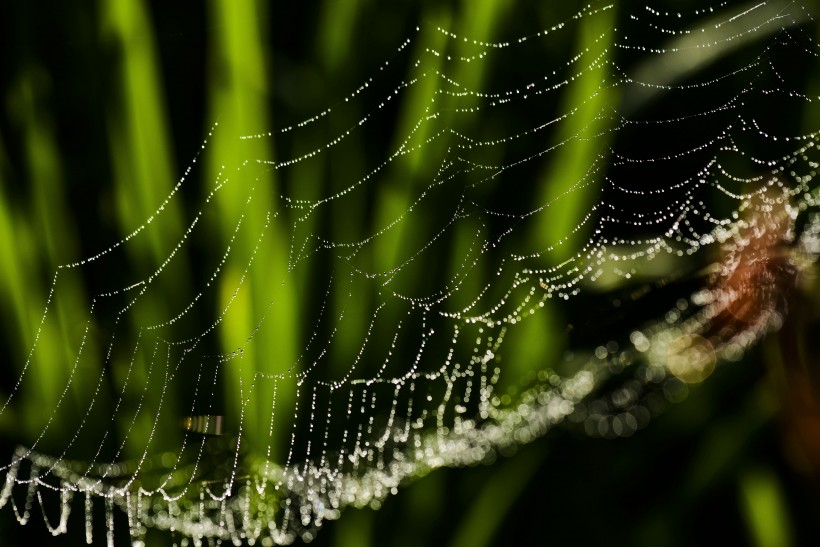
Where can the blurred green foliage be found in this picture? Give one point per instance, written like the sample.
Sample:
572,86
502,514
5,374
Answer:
102,105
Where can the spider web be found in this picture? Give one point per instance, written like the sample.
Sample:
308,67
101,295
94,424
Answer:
337,340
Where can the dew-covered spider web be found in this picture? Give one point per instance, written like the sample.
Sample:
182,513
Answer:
545,246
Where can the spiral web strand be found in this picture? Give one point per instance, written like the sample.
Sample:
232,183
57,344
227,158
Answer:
194,426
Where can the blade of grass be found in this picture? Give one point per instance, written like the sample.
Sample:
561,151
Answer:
144,174
55,228
765,508
16,293
239,98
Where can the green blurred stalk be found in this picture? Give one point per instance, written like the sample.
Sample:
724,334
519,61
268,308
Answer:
414,171
398,192
338,25
568,190
145,175
53,226
765,508
16,290
138,128
49,372
239,98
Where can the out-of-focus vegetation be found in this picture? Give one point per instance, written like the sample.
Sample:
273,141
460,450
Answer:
103,105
